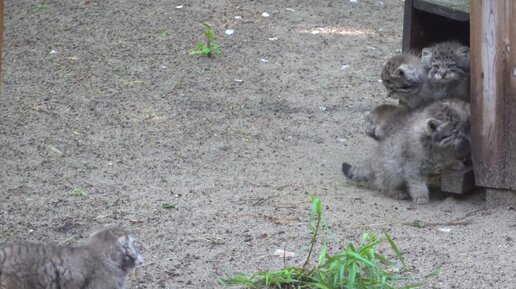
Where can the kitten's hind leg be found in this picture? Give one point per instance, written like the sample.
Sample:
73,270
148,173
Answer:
418,190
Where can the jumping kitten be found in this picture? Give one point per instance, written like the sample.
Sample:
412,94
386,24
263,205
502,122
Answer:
436,135
102,262
447,68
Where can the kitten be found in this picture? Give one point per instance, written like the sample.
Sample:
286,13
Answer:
446,66
436,135
102,262
403,77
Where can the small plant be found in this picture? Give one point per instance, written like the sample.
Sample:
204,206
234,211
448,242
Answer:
164,33
210,48
43,6
359,267
169,206
78,192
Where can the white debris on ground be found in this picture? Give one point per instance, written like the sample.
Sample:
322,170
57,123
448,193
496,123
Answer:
283,253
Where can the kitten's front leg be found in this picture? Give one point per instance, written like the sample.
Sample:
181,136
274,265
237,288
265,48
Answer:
418,190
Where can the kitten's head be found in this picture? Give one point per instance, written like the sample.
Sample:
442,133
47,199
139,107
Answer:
448,127
401,76
446,62
121,248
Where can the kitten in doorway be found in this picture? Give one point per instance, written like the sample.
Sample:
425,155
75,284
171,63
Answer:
446,66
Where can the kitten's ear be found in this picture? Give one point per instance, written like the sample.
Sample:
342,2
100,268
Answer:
426,54
124,240
432,124
462,51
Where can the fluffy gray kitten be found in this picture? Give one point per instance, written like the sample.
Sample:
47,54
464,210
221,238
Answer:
436,135
403,77
102,262
446,66
441,73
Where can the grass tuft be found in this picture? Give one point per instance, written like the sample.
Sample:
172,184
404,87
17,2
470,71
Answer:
354,267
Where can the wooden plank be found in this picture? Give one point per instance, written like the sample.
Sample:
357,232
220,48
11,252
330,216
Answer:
407,26
458,182
1,35
423,28
456,10
493,92
511,107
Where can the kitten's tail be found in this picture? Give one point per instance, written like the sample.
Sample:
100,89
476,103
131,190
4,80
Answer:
362,175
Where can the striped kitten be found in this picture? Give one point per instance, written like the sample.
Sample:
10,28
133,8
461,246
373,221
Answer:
437,135
446,66
403,77
102,262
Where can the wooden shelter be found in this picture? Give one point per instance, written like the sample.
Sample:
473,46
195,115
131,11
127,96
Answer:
489,27
1,35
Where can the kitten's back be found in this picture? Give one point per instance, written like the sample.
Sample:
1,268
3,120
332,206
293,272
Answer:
104,261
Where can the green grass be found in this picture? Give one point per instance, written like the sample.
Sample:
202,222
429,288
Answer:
210,48
355,266
78,192
169,206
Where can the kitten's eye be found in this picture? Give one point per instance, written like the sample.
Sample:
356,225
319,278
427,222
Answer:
435,66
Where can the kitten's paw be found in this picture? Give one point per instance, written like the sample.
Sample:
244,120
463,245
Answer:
421,200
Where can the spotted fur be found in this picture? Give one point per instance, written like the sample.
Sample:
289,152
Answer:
447,67
402,77
435,135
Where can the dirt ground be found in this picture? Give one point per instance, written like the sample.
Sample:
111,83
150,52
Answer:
103,97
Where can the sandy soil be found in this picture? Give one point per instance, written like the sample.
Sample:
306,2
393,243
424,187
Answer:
103,96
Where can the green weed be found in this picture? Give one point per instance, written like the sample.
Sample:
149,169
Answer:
164,33
354,267
210,48
78,192
43,6
169,206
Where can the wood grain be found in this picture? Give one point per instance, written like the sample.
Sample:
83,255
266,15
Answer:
493,93
1,35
